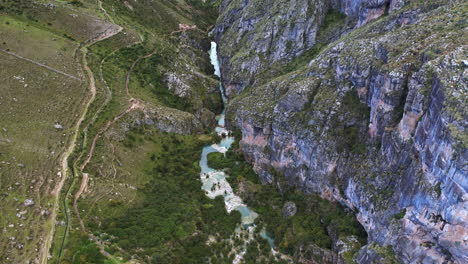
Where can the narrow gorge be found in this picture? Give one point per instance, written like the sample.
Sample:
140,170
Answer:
233,131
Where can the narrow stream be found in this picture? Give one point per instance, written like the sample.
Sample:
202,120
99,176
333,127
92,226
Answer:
215,182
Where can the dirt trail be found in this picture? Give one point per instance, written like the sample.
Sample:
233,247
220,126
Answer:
85,176
44,251
127,81
183,28
104,11
40,64
135,104
83,187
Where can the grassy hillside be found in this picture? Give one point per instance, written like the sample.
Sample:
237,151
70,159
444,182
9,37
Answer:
38,109
45,91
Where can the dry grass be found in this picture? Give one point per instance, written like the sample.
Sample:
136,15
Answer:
30,144
33,100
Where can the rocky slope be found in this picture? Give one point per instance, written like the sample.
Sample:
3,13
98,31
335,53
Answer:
364,102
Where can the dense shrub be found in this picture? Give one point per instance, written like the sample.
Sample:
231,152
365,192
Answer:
175,218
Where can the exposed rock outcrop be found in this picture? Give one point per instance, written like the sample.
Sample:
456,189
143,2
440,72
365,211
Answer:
190,79
166,119
311,254
375,120
265,32
289,209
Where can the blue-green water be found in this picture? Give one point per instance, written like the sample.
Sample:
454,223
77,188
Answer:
212,177
215,183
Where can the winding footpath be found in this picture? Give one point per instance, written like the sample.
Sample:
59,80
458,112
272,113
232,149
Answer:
44,251
127,80
135,104
85,176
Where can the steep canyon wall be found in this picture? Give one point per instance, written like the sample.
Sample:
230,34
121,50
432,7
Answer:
362,101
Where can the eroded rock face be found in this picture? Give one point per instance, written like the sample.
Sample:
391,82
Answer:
169,120
269,31
255,34
166,119
311,254
375,121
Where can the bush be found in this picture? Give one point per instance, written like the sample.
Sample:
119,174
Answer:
76,3
400,215
174,219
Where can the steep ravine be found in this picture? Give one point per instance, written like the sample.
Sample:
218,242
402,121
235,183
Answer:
215,182
373,117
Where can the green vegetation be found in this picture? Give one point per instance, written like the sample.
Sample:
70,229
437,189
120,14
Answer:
172,218
147,200
76,3
386,253
400,215
173,207
86,250
14,6
153,81
234,165
163,16
348,137
143,197
314,215
34,99
51,34
352,103
333,19
309,225
259,252
438,189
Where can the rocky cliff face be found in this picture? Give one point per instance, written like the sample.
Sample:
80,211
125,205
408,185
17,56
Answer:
366,107
271,31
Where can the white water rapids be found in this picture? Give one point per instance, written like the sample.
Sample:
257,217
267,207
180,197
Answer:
215,182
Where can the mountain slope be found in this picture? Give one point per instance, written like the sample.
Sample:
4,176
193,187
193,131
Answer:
366,107
135,68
